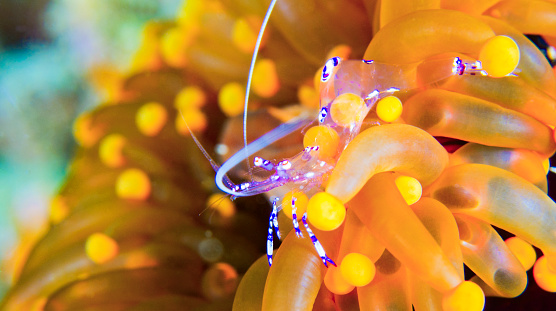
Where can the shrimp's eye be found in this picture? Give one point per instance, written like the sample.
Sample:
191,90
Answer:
328,67
323,114
284,165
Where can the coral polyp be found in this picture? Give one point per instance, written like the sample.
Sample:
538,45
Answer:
354,133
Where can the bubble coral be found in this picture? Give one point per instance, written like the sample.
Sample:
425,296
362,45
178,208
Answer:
139,184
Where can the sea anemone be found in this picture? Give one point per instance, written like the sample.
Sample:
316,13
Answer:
400,206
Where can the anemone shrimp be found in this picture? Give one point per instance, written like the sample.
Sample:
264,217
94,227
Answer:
349,90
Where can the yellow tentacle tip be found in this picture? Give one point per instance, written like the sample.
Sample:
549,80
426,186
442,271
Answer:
544,276
133,184
357,269
325,211
467,296
190,97
499,56
301,201
243,35
389,108
194,118
101,248
347,109
222,204
151,118
173,45
523,251
308,96
335,282
231,99
59,209
265,80
326,138
110,150
84,132
410,189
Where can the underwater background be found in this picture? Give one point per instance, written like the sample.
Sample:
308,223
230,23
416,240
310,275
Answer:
60,59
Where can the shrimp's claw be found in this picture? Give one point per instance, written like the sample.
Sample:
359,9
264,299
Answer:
253,188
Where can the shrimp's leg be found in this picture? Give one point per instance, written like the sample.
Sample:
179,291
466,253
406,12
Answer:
272,223
294,217
225,179
275,218
316,243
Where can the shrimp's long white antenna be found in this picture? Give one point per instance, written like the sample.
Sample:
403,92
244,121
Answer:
263,141
249,77
213,163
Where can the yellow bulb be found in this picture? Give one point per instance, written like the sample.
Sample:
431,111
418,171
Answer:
325,138
231,99
243,36
221,203
100,248
196,120
410,188
347,109
190,97
357,269
110,150
84,132
545,278
325,211
190,12
300,203
467,296
389,108
499,56
523,251
59,210
265,81
174,44
133,184
308,96
151,118
335,282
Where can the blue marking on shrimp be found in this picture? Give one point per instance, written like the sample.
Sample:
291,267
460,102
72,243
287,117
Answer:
323,113
264,164
316,243
272,223
254,188
328,68
294,219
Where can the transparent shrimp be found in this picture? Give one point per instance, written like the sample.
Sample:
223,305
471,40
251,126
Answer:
366,79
